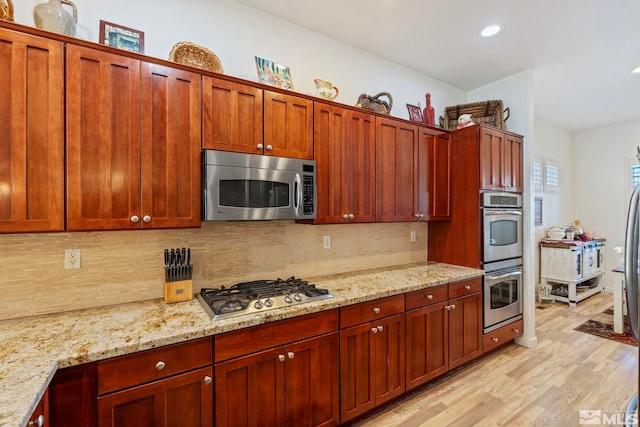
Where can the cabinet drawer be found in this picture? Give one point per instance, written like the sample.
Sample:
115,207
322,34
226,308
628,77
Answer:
501,335
257,338
371,310
138,368
426,296
465,287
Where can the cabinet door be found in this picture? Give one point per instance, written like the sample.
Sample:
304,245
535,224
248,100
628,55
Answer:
184,400
171,188
465,329
249,390
103,140
427,343
288,126
491,155
40,415
73,397
512,175
330,136
32,128
359,167
312,382
395,170
357,371
389,367
435,166
232,116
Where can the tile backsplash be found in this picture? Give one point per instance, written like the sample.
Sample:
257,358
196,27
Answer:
125,266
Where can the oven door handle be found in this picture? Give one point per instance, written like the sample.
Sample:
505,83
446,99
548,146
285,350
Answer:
504,276
488,212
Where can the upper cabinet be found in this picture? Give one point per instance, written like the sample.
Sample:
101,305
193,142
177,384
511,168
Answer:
132,161
434,178
344,146
247,119
32,133
500,160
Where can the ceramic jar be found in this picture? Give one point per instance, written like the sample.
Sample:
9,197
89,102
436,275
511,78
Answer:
51,16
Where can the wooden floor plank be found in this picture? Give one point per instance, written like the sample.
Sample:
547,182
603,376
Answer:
548,385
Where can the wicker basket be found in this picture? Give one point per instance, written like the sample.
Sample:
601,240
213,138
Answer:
6,10
487,112
196,56
372,103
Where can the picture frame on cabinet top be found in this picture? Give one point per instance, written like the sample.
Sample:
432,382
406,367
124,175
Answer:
273,74
415,113
121,37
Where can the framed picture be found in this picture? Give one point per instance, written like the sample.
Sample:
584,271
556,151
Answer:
415,113
124,38
537,211
273,74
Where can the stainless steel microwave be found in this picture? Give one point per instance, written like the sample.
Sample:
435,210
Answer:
240,186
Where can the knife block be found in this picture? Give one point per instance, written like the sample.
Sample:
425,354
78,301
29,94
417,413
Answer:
178,291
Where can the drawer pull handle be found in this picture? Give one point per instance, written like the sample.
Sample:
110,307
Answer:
380,328
467,287
281,357
39,422
374,330
291,355
494,339
207,380
429,296
516,330
160,365
376,310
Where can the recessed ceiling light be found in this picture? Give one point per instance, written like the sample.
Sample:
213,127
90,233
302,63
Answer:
490,30
636,70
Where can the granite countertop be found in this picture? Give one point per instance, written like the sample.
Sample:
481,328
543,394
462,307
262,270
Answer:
33,348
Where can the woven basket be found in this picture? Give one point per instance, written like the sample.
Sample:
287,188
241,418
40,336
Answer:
6,10
486,112
196,56
372,103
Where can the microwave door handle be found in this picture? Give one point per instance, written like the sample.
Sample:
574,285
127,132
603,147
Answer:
504,276
297,194
487,212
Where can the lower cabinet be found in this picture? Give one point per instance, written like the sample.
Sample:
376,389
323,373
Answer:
465,329
292,385
372,359
40,416
501,336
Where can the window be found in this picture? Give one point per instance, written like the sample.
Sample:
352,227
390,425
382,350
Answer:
536,175
551,176
635,176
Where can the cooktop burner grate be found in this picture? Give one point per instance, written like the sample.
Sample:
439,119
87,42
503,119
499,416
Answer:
258,295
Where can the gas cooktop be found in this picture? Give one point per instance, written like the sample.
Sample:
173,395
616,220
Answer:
258,295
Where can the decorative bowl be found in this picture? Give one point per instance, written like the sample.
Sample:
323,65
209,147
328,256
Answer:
555,233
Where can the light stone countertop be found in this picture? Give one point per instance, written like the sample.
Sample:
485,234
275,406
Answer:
33,348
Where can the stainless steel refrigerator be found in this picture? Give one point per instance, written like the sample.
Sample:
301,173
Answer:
631,250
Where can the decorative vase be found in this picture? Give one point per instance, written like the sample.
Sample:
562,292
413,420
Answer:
6,10
51,16
429,113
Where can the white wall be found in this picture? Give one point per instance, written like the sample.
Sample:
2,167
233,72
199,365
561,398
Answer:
237,33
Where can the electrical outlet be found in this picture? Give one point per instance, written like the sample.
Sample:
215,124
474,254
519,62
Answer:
326,242
72,258
412,235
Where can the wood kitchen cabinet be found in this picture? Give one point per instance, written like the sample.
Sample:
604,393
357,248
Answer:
247,119
283,373
32,128
400,196
73,397
344,147
133,132
166,387
372,355
465,321
500,160
40,416
434,174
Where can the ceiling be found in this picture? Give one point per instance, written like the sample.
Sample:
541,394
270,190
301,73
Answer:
581,51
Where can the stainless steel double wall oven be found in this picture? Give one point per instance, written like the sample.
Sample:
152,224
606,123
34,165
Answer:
502,258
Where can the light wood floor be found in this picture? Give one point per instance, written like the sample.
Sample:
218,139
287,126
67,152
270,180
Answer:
545,386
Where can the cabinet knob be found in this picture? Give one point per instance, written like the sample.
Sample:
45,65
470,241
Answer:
135,218
269,147
376,310
421,215
448,307
417,215
374,330
146,218
260,146
467,287
160,365
39,422
291,355
281,357
494,339
207,380
350,216
516,330
429,296
345,216
380,328
453,306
